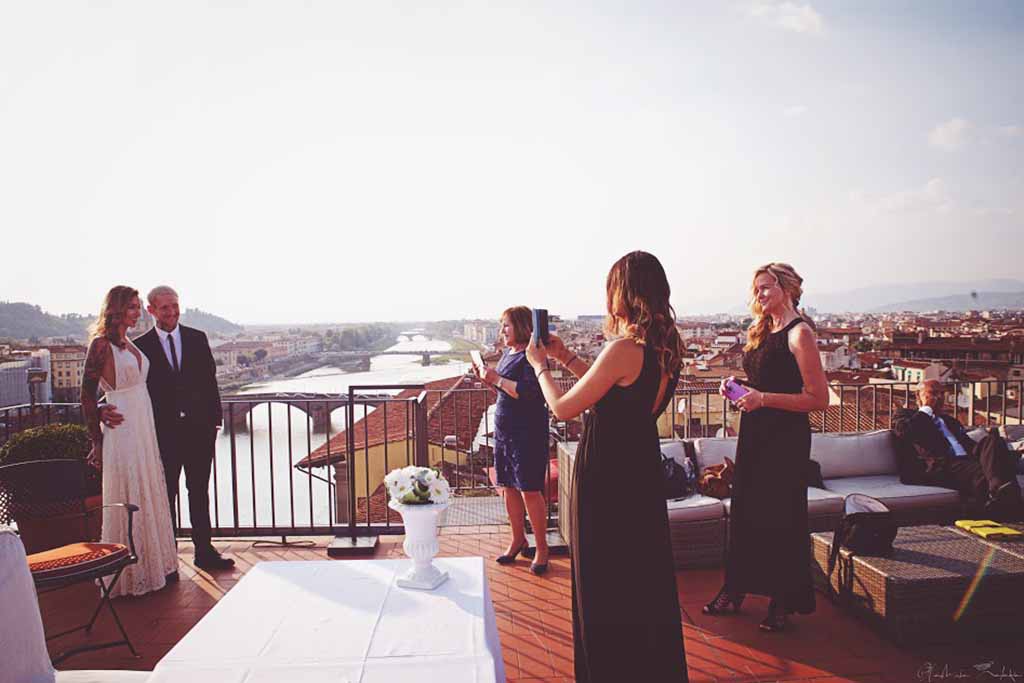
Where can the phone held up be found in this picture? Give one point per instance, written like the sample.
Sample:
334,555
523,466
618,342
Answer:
734,391
477,359
540,326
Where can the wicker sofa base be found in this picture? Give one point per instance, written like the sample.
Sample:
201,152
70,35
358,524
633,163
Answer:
926,590
698,544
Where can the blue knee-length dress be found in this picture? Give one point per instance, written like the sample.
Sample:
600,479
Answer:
520,427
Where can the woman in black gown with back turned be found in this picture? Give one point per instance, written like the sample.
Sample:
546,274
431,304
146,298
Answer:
769,544
625,601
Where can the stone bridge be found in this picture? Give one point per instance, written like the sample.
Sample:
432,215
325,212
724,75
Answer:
319,407
363,359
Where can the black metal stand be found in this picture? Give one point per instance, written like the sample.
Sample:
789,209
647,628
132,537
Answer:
556,544
349,546
283,543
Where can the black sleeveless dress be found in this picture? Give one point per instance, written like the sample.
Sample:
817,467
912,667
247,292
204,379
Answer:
625,613
769,542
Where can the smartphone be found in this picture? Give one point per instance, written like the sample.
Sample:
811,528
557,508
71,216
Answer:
477,359
540,326
734,391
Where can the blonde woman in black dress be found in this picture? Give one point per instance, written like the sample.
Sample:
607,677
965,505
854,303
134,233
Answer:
769,545
625,603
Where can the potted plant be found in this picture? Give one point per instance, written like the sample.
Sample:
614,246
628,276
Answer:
40,528
420,495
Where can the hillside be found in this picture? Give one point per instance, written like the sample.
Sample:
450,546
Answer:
23,321
976,301
20,320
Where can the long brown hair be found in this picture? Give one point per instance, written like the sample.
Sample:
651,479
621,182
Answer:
639,309
521,320
791,283
112,313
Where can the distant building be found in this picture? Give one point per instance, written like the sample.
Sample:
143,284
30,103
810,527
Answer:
837,355
67,364
145,323
14,371
917,371
480,332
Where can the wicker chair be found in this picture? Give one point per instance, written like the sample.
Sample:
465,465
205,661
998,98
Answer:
59,487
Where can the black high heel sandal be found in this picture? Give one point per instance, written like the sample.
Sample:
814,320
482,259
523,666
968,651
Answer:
510,558
722,602
776,620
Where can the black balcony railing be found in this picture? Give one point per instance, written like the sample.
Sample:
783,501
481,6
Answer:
282,467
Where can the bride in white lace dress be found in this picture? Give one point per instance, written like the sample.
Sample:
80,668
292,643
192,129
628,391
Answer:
129,455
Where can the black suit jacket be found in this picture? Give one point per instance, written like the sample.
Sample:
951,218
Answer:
193,392
925,452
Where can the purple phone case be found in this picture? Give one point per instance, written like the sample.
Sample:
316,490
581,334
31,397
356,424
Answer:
735,391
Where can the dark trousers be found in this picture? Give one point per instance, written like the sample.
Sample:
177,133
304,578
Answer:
983,471
190,447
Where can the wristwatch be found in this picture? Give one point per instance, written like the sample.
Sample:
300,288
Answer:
497,384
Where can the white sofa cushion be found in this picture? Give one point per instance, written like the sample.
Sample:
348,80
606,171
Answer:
1012,432
896,495
696,508
823,502
713,451
674,450
855,455
819,502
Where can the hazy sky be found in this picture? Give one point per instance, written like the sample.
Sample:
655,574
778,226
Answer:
332,161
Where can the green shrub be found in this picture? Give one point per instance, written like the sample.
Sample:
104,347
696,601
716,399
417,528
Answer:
52,442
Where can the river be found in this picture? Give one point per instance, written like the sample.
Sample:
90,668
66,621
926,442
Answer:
270,446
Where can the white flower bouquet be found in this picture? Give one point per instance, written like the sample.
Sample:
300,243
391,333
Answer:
417,486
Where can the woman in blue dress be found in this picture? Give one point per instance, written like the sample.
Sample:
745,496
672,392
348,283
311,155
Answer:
520,438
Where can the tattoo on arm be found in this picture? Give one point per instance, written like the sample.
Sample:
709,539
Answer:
95,361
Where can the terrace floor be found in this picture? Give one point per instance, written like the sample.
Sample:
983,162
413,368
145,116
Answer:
535,624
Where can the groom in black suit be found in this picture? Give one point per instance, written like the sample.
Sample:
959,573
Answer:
182,386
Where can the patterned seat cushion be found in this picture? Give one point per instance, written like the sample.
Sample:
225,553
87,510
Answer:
74,558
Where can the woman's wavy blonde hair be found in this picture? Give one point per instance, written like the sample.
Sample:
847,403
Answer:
639,309
792,284
112,313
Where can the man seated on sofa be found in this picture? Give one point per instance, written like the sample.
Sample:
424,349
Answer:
940,453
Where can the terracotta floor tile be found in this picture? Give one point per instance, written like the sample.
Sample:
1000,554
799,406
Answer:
535,622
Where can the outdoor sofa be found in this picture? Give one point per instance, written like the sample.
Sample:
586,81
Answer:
861,462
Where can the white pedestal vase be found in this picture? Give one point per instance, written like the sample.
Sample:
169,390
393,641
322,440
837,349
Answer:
421,544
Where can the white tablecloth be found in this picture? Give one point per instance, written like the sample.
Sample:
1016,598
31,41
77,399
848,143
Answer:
23,655
340,621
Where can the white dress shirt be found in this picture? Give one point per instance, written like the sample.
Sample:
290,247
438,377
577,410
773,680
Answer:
958,449
164,336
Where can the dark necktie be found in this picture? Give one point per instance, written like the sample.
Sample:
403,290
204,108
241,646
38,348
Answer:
174,354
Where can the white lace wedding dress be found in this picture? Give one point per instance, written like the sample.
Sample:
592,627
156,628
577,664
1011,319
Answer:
134,473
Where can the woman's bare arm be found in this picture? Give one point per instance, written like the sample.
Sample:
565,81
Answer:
97,366
620,360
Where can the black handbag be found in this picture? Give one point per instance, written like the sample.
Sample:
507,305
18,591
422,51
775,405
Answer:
678,482
867,527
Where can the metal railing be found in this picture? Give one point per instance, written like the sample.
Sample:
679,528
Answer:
277,473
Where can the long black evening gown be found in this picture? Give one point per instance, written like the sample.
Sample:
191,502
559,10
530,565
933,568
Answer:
769,542
625,614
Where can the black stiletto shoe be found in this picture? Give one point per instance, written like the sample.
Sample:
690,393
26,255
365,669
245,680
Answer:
776,620
539,568
722,602
510,558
